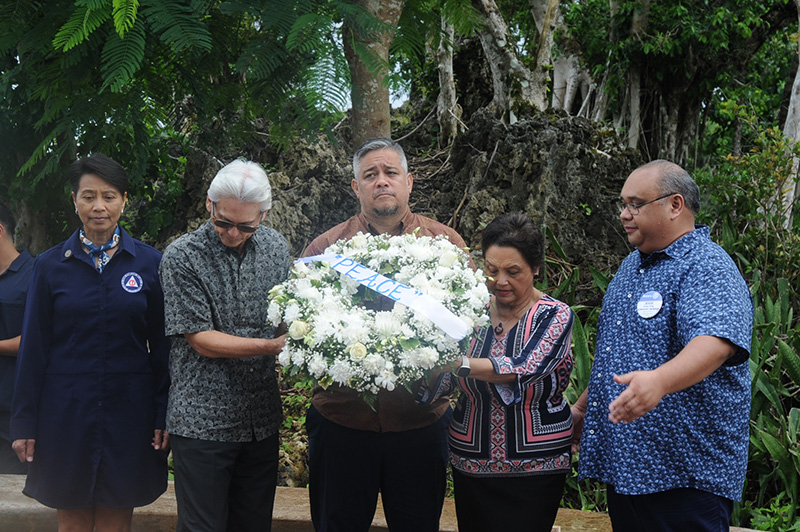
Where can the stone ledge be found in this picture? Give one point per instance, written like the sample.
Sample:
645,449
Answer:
19,513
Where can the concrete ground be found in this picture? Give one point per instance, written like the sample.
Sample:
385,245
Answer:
19,513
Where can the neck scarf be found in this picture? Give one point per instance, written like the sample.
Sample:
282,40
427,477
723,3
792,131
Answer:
99,252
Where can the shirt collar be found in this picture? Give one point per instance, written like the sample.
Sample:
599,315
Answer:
72,246
17,263
680,247
408,220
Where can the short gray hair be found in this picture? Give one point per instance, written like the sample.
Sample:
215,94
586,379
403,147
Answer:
675,180
379,143
244,180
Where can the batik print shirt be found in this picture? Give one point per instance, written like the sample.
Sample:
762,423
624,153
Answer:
208,286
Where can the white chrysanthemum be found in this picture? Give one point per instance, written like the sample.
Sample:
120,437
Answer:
305,290
341,372
386,325
374,364
292,312
317,366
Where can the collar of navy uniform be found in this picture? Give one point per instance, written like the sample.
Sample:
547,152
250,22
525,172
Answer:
72,246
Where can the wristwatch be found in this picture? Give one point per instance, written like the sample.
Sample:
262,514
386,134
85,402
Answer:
464,369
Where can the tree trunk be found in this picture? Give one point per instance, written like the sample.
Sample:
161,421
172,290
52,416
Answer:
510,77
791,129
447,109
367,55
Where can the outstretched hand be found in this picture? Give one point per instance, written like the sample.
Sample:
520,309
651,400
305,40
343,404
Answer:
643,394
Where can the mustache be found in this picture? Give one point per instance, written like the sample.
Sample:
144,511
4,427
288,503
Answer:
381,192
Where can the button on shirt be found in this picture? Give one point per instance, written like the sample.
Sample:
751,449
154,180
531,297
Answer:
208,286
697,437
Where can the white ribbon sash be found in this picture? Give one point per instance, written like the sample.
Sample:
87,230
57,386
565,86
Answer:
421,303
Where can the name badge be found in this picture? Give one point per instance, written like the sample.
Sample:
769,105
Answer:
649,304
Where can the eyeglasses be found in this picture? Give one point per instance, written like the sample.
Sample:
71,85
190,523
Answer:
225,224
633,208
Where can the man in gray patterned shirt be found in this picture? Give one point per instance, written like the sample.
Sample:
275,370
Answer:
224,404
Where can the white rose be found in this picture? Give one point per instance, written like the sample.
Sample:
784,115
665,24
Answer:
358,241
298,329
358,352
301,269
448,258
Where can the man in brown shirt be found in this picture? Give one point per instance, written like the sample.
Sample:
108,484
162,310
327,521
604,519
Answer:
400,447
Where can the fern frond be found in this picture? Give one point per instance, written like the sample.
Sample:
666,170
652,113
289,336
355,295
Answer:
124,15
122,58
79,26
176,24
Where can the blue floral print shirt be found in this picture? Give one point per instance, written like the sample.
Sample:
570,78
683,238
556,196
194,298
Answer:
697,437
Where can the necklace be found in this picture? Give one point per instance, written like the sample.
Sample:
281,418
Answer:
498,330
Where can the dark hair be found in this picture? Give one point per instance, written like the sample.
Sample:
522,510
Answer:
519,232
7,220
102,166
378,143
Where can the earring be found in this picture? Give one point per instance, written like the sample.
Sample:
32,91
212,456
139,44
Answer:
76,210
535,276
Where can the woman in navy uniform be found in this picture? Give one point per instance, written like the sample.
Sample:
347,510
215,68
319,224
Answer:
92,375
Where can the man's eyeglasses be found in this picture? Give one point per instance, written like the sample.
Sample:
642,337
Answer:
633,208
225,224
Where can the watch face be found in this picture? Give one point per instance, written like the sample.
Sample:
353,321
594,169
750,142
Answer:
463,371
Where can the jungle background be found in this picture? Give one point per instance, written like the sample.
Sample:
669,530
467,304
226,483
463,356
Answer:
542,107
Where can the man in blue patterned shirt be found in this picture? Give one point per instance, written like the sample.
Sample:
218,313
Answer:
668,402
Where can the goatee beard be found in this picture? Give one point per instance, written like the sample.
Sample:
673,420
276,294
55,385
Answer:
386,211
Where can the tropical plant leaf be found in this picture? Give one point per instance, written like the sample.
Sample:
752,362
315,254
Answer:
176,24
79,26
122,57
124,14
790,361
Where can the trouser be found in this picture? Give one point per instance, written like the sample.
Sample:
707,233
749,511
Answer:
347,469
506,503
225,486
676,510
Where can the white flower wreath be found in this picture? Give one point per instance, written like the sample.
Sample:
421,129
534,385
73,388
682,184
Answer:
333,337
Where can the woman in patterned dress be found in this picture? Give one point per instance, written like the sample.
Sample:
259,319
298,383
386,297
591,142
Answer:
92,377
511,432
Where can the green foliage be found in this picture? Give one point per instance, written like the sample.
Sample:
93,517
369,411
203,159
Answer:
749,219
